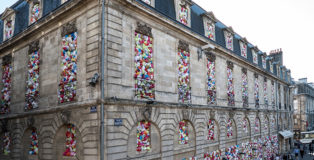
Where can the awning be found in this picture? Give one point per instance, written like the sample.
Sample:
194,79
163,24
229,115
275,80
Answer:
286,134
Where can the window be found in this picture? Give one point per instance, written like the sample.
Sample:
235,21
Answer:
211,130
8,18
211,80
257,126
273,93
143,136
35,11
183,11
256,90
183,132
34,143
254,54
68,81
184,88
229,40
70,147
229,128
6,143
230,87
245,97
6,81
243,47
144,68
265,92
264,61
271,66
209,21
32,87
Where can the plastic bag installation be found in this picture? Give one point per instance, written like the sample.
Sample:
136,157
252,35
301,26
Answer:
70,145
35,12
183,14
32,91
215,155
232,152
34,143
266,126
265,93
229,128
230,87
245,97
211,81
245,125
211,130
183,132
144,67
6,143
6,91
229,41
210,31
184,76
254,56
256,91
143,136
243,50
68,82
264,62
256,126
147,1
8,29
273,94
273,123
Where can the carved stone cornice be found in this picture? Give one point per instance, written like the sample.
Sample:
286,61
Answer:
144,29
68,28
185,114
7,59
65,117
33,46
231,114
211,56
183,46
229,29
244,70
230,64
211,16
212,114
30,121
146,112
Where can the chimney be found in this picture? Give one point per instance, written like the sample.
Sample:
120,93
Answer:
277,56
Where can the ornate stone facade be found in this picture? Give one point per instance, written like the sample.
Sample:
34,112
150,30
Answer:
142,120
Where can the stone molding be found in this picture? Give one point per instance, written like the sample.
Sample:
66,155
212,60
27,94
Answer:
255,75
7,59
144,29
68,28
65,117
183,46
244,70
33,46
230,64
146,113
210,56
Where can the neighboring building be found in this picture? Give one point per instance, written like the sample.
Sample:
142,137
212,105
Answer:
178,83
303,106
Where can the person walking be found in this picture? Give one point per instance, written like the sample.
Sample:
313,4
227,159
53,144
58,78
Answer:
311,148
296,153
302,151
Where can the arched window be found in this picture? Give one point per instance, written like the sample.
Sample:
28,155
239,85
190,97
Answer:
143,136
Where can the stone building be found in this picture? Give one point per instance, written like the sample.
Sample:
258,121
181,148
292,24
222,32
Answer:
177,83
303,106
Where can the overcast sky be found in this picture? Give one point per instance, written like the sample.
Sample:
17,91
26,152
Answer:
269,24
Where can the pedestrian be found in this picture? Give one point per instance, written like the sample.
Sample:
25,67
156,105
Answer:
302,151
296,153
277,157
311,148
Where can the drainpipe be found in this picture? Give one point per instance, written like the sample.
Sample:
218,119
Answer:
102,127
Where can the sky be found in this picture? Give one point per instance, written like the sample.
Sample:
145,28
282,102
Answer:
269,24
273,24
